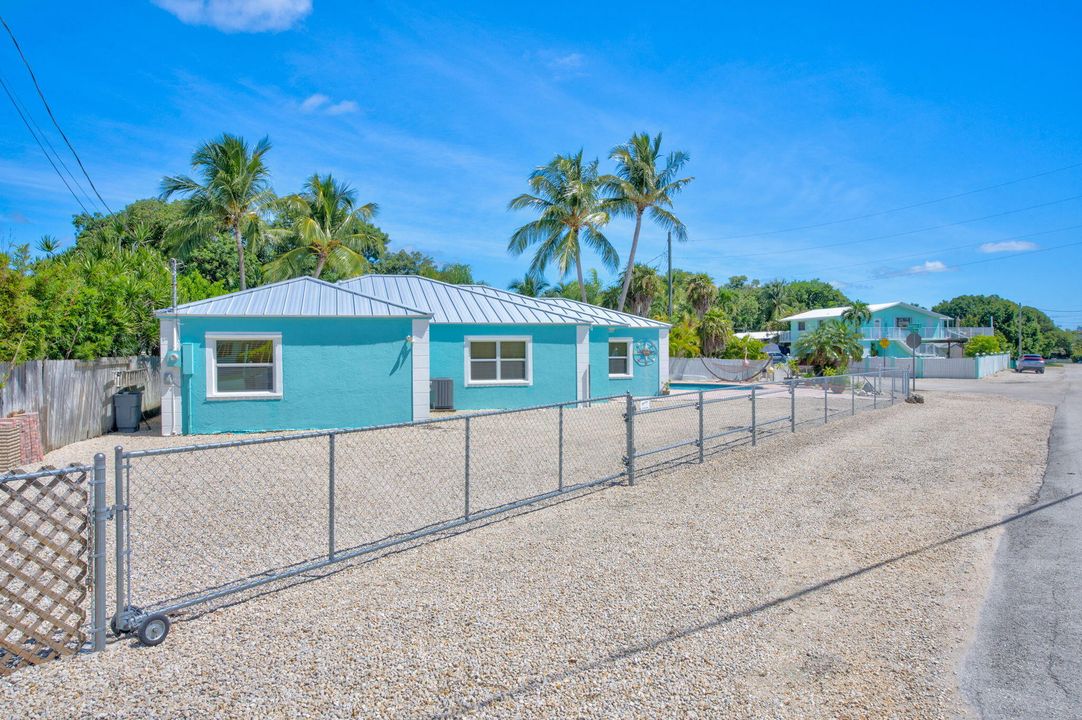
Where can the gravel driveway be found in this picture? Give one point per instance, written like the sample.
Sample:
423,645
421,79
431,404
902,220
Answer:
836,572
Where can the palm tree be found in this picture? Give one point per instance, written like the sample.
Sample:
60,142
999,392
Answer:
715,331
230,195
857,314
640,186
701,293
831,345
565,196
530,284
645,285
684,338
330,228
48,245
774,297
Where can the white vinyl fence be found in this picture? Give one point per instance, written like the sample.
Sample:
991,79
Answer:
73,398
965,368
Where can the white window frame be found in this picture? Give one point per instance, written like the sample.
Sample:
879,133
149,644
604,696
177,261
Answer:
467,375
211,341
630,342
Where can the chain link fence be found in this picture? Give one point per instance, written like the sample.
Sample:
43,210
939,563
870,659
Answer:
204,522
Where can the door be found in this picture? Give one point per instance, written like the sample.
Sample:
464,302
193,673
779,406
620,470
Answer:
877,328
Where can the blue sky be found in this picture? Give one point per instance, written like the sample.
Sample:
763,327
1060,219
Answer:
794,115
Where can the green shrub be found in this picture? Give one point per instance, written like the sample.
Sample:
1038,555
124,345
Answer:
984,345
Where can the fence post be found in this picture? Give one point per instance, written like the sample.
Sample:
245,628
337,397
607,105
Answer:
101,517
792,405
629,424
330,496
754,432
466,511
560,452
123,553
892,388
875,396
701,423
852,396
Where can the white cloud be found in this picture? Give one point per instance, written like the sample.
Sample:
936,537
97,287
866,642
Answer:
1008,246
341,108
928,266
314,102
320,103
570,61
239,15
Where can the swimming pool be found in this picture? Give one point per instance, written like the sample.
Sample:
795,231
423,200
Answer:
688,386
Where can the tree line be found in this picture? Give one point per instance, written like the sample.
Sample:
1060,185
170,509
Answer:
230,230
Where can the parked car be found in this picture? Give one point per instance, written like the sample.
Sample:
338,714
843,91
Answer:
1030,362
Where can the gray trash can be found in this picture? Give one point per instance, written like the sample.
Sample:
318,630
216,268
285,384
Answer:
128,410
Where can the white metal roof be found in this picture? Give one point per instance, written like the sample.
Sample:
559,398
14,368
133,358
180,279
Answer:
605,316
460,303
299,297
823,313
589,314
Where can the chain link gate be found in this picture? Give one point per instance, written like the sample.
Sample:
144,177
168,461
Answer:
199,523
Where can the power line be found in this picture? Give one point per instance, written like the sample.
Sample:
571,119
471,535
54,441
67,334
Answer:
44,136
901,207
977,262
943,250
52,117
34,135
908,232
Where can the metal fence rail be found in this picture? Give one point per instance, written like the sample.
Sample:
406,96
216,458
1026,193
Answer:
202,522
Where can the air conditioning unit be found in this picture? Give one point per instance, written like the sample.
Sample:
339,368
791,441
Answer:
441,394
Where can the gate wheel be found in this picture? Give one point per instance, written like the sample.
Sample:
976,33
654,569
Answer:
153,630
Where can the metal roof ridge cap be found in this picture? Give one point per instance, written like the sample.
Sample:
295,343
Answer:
337,287
466,289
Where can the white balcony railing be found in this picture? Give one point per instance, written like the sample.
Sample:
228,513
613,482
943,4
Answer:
878,332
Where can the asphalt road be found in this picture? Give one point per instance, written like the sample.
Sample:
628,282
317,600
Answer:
1026,656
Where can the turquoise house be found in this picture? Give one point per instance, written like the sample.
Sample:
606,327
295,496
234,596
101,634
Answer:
296,355
885,333
504,350
307,354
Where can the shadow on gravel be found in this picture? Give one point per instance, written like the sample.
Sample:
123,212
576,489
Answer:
631,651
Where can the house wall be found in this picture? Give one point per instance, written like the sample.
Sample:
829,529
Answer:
336,373
646,379
890,316
553,356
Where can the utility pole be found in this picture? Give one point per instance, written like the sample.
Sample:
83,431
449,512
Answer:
668,240
1019,331
173,274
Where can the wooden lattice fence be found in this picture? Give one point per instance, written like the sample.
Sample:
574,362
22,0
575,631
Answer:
44,565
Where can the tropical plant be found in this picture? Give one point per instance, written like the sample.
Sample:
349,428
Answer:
231,193
858,313
984,345
645,286
640,186
744,348
684,338
530,284
774,299
48,245
701,293
328,230
565,196
833,344
715,332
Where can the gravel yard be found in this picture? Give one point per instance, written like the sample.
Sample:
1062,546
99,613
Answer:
819,574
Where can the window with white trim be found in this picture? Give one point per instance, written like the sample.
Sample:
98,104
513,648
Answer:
498,361
244,365
620,358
